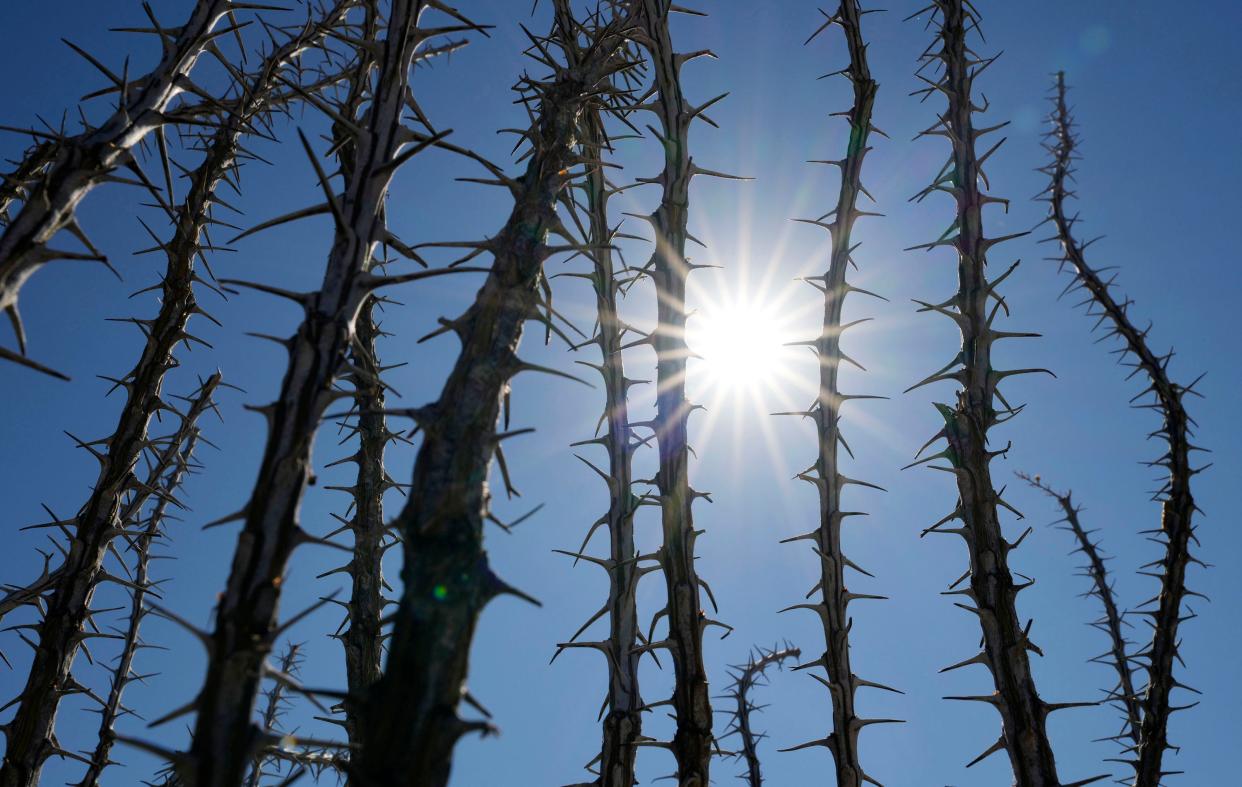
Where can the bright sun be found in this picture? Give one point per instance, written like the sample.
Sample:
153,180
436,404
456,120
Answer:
742,345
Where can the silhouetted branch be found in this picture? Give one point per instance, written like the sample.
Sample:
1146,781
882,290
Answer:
1177,504
745,678
411,719
1123,694
825,412
992,592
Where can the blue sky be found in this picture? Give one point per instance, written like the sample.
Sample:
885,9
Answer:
1159,102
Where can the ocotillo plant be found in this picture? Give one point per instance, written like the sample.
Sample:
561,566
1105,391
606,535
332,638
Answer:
225,740
622,724
411,721
84,161
97,523
30,734
745,678
361,635
191,221
1123,694
1177,505
141,543
825,474
275,703
992,592
669,269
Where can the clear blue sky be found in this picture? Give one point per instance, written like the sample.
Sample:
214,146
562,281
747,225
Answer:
1158,95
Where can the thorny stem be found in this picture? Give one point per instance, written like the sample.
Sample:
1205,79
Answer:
622,726
1177,504
668,268
826,474
992,591
84,161
1111,624
225,739
274,707
16,187
746,678
124,674
363,638
410,720
30,735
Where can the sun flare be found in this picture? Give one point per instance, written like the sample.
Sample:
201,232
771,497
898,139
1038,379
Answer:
741,344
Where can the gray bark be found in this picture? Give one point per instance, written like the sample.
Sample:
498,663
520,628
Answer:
622,720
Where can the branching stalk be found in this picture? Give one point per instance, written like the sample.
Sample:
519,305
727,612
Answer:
745,678
362,637
225,740
411,720
124,673
30,735
275,703
1177,505
84,161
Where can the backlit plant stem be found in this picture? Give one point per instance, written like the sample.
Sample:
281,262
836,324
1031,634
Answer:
1177,504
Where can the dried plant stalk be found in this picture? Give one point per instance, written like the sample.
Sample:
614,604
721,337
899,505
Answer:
1177,504
84,161
745,678
992,590
225,741
669,268
622,724
141,544
411,720
825,474
622,727
275,703
362,637
30,734
1123,693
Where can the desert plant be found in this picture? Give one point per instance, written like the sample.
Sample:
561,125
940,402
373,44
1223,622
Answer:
56,179
147,531
411,721
1176,530
825,412
745,678
360,633
66,608
246,623
275,704
623,705
991,591
669,268
1123,694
